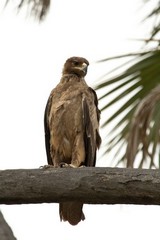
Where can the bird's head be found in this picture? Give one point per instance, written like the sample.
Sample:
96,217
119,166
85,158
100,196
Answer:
76,65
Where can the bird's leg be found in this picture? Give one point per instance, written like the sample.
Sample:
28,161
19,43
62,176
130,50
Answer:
56,162
57,159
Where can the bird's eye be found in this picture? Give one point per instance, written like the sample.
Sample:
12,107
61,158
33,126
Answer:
75,63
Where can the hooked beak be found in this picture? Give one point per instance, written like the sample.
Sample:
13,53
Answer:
84,67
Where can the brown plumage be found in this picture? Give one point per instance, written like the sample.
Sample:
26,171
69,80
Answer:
72,127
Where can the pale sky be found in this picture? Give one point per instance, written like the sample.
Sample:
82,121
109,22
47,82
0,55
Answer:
31,59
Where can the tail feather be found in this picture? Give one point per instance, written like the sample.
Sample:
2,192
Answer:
71,212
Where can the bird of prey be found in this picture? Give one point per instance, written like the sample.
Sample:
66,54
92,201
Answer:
71,124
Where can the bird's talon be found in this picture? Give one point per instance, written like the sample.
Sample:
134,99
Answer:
82,166
46,167
72,166
64,165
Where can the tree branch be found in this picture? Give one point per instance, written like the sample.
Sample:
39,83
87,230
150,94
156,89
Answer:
5,230
89,185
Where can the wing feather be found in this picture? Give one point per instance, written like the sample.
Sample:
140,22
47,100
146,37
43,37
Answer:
47,130
98,112
92,138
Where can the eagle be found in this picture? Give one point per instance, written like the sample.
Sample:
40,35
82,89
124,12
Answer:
71,123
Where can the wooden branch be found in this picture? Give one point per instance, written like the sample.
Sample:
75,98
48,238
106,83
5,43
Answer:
5,230
89,185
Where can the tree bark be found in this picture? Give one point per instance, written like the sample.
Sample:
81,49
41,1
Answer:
5,231
88,185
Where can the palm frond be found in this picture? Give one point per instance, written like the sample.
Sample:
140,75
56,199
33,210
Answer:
145,129
154,14
38,8
130,88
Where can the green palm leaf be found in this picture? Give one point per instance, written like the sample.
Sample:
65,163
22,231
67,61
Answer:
126,95
129,89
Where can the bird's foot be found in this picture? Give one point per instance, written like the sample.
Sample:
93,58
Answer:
60,165
65,165
46,166
82,166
